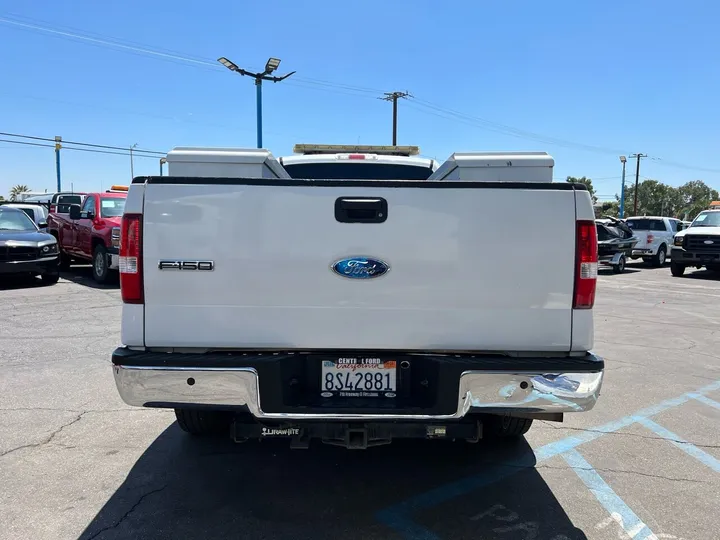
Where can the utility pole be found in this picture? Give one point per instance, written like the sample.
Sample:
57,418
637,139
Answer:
623,160
637,179
394,96
271,65
132,168
58,146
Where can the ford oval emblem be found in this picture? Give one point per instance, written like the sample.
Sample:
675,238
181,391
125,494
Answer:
360,268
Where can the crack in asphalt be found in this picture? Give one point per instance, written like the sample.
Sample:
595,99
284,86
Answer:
651,437
47,439
625,471
55,433
126,514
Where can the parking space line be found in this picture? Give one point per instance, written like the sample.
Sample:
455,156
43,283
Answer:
705,400
606,496
398,516
687,447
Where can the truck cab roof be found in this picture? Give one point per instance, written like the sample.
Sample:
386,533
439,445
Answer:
358,162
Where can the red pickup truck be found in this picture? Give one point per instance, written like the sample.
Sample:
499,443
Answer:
91,232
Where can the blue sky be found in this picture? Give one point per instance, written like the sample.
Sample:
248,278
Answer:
584,81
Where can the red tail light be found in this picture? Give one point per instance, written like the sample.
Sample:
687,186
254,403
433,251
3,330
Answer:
650,238
53,208
131,272
586,265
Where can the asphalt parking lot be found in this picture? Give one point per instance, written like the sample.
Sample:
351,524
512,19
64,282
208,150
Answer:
75,462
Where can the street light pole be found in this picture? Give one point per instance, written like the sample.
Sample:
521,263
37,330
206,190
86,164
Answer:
623,160
162,161
58,146
258,110
271,65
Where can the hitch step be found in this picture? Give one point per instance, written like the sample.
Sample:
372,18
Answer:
356,435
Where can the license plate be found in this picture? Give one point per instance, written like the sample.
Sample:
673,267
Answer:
358,377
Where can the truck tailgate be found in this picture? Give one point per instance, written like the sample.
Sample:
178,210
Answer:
472,266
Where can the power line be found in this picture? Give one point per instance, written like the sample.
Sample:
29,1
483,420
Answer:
80,143
26,143
425,107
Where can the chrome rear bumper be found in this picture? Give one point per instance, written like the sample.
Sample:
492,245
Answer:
160,386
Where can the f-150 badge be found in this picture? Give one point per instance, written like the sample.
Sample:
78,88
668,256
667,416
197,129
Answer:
360,268
186,265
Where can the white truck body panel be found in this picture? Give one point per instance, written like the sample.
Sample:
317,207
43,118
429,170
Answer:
471,268
223,162
496,167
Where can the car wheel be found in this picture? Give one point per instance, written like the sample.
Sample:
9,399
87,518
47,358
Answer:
50,278
100,264
660,256
505,426
619,268
202,422
676,269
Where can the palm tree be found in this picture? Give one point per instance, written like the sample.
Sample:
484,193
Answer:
17,190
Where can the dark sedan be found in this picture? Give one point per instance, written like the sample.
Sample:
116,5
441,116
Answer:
25,249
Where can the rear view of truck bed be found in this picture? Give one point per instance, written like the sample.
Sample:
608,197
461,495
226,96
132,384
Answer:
363,277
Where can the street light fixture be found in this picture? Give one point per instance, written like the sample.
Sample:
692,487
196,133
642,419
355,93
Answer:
270,66
623,160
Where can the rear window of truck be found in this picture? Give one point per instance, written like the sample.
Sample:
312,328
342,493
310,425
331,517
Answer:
64,202
112,207
357,171
646,224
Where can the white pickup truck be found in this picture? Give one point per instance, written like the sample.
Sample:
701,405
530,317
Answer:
358,295
655,237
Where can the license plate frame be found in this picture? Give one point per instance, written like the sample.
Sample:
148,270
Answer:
359,377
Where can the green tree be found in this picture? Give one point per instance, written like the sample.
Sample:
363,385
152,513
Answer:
695,197
658,199
654,199
2,199
609,208
587,182
17,190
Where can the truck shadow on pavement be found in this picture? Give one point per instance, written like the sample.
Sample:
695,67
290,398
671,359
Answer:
82,275
188,488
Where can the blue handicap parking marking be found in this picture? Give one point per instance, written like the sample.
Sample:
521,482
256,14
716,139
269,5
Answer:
615,506
687,447
704,399
400,516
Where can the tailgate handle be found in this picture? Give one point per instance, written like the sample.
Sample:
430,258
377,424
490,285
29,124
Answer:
361,209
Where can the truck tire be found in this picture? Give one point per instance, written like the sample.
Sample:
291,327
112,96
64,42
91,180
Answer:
100,269
64,257
505,426
201,422
676,269
660,257
64,260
